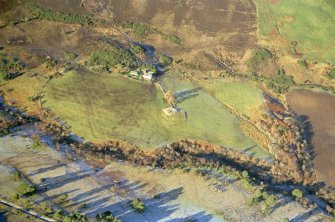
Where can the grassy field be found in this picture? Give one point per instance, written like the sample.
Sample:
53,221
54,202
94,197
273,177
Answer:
21,89
102,107
241,96
307,22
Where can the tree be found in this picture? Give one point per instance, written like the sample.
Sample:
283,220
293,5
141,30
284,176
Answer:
330,74
245,174
138,205
297,193
165,60
75,217
106,216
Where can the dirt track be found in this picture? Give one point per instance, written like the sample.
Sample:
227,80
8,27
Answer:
318,108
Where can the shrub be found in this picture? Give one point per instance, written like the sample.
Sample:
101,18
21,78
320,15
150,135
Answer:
83,206
9,67
4,132
26,188
109,59
245,174
63,197
172,38
281,82
17,176
148,66
223,170
50,15
140,29
302,62
143,30
16,196
261,196
70,55
12,23
259,55
269,199
46,209
26,20
24,202
58,215
49,62
165,60
330,74
75,217
138,205
37,144
106,216
297,193
285,220
136,49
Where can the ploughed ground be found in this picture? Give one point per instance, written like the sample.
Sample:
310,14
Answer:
318,109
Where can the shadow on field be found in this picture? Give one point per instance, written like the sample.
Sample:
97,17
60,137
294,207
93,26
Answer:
186,94
97,202
115,197
43,170
305,216
2,217
307,133
157,208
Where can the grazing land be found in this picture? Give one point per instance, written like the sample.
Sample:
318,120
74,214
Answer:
167,110
308,23
316,108
100,107
241,96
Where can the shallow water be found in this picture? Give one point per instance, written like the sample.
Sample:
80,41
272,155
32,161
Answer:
104,107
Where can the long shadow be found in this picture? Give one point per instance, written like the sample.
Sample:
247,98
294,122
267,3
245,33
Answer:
199,217
161,207
158,207
150,52
43,170
96,201
56,196
249,151
255,171
2,217
281,203
308,134
305,216
131,187
59,181
186,94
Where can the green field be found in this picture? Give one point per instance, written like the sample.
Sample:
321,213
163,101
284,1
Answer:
102,107
308,22
243,97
